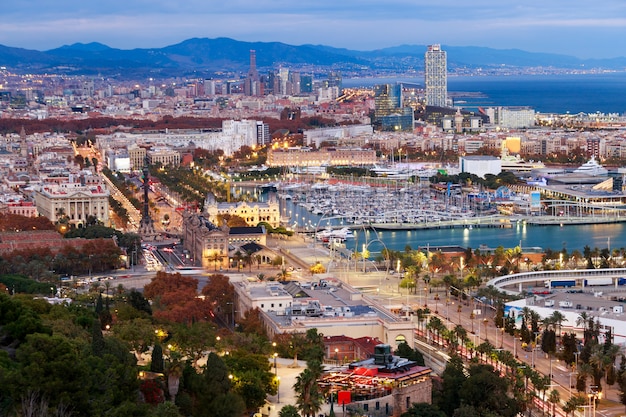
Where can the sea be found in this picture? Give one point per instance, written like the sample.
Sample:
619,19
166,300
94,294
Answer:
565,93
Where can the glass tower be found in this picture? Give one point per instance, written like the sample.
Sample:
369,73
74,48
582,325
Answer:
436,76
389,110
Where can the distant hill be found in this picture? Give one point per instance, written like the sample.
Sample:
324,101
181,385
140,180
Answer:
203,55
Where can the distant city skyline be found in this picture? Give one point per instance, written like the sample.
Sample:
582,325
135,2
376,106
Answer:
579,28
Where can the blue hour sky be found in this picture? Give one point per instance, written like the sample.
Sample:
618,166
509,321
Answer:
586,29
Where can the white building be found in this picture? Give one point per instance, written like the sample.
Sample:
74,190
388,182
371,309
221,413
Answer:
480,165
78,198
234,135
512,117
317,136
118,160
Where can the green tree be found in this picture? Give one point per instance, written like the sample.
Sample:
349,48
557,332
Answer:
214,396
156,363
485,390
67,375
139,302
289,411
405,351
192,340
313,349
97,340
252,375
167,409
422,410
138,333
453,378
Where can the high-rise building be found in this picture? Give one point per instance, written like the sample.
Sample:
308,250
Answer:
306,83
294,79
263,136
389,110
436,76
335,80
252,86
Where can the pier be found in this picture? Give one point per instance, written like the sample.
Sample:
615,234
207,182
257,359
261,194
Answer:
491,222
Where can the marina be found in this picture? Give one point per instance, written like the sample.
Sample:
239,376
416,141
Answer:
401,214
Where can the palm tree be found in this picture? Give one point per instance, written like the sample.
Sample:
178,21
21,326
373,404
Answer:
308,397
248,258
282,275
584,372
541,384
460,333
553,398
558,318
421,314
583,321
485,348
435,324
610,354
575,403
215,257
507,358
576,257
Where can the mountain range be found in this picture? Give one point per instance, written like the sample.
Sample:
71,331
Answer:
203,56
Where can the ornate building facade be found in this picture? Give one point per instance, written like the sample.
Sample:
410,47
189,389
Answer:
206,242
252,212
77,198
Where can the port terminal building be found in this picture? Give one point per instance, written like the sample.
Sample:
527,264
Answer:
599,293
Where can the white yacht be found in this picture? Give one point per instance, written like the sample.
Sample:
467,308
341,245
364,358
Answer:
592,168
328,234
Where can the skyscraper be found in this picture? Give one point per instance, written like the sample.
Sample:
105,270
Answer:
252,87
436,76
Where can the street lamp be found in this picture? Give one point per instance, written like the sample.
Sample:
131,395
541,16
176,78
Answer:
275,367
514,345
593,395
496,332
276,375
337,355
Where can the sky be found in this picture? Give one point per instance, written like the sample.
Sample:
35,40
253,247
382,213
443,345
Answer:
585,29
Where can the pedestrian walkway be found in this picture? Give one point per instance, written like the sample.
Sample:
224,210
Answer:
287,370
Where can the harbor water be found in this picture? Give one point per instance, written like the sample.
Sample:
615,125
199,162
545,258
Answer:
555,237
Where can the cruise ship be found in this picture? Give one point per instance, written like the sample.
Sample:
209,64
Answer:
592,168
